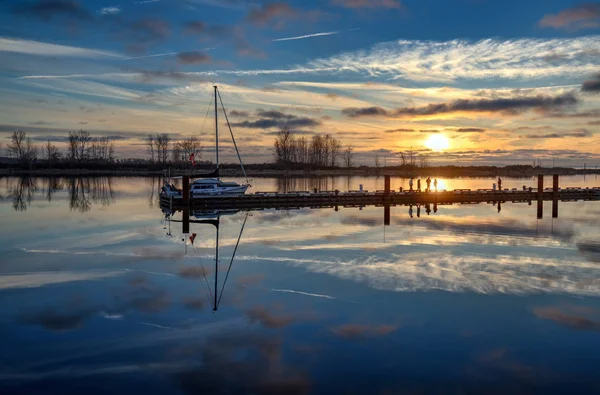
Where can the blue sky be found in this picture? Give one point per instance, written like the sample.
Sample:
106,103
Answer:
486,75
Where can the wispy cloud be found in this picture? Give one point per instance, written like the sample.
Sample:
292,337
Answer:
109,10
584,16
46,49
460,59
146,1
450,61
306,36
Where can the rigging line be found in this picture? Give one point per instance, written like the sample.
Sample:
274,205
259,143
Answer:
232,138
206,116
208,291
231,262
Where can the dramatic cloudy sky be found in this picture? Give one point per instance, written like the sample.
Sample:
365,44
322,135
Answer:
504,81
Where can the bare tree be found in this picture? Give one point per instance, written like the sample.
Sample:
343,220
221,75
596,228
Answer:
150,148
402,159
302,150
335,150
78,145
163,141
21,147
16,147
282,148
190,146
348,155
101,149
423,161
52,153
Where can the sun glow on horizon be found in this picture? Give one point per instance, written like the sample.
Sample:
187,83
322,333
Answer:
437,142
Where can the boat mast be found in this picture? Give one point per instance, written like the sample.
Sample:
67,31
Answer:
216,132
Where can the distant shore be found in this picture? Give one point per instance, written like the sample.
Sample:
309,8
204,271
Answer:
444,171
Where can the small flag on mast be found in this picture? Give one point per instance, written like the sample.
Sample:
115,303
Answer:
192,159
192,238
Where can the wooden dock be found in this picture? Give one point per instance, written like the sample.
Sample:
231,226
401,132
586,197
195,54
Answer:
262,200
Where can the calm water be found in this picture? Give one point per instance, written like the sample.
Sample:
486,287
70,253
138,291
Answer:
99,294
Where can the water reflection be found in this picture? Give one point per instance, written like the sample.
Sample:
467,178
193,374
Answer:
212,218
459,299
21,191
85,191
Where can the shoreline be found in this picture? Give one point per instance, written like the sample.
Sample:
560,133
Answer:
453,172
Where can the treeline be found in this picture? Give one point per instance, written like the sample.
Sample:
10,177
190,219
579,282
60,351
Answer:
81,147
162,149
318,151
83,150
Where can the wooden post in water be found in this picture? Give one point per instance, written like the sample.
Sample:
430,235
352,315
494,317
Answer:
387,188
186,190
386,215
185,197
540,196
555,196
186,222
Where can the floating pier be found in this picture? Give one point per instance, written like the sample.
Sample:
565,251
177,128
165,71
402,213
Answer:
297,199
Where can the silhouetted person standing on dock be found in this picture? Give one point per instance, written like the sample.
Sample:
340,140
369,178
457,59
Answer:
419,185
428,181
435,184
410,185
499,184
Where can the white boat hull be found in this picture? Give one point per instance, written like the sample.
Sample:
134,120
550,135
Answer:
220,191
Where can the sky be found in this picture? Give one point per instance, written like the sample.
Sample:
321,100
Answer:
461,81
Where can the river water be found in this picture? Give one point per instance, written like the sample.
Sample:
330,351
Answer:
100,292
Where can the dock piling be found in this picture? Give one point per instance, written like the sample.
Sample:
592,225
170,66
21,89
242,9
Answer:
555,196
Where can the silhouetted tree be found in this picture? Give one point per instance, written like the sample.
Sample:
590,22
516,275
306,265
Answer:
21,147
348,155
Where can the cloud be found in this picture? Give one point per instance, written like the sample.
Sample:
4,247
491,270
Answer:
357,331
400,131
572,317
50,9
193,58
470,130
306,36
461,59
389,4
194,272
261,15
579,133
195,27
511,105
277,119
109,10
194,303
30,47
584,16
146,31
240,114
268,320
429,131
592,85
59,319
365,111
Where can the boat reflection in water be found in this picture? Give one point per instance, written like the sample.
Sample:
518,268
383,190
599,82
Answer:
210,218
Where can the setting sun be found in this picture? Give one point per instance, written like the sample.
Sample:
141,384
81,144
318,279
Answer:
437,142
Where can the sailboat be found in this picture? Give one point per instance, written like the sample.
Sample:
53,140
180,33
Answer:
204,187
